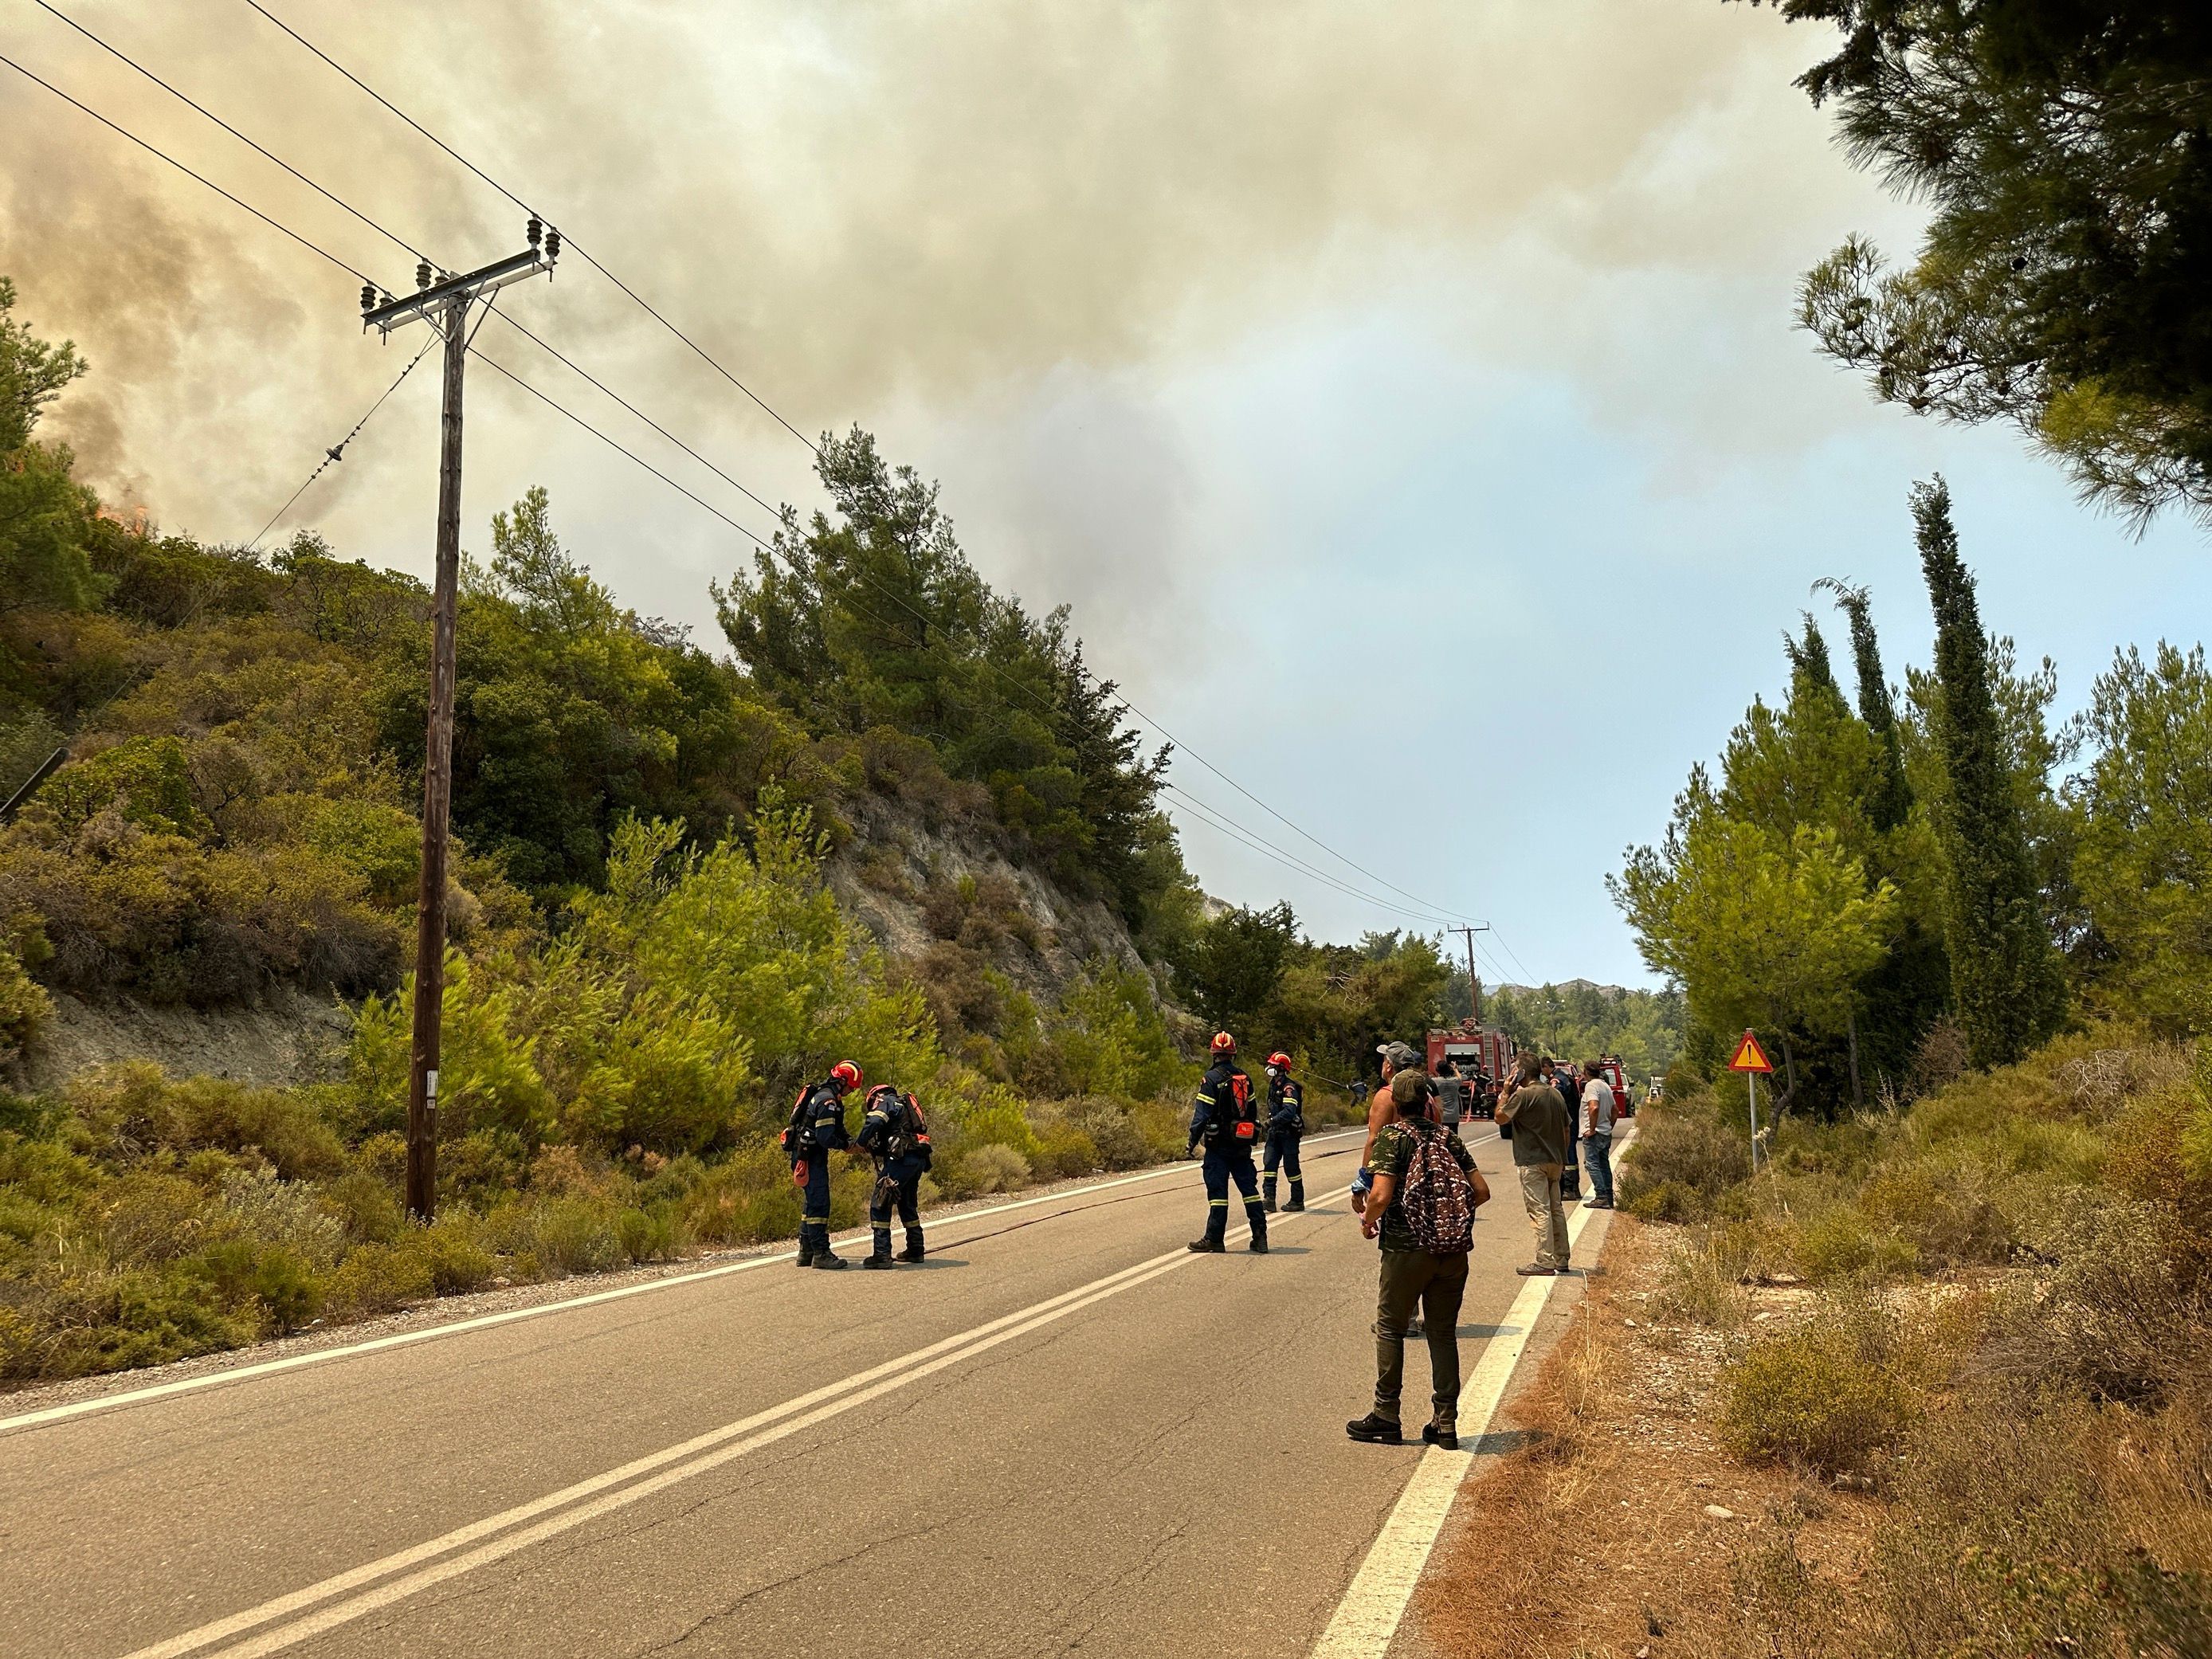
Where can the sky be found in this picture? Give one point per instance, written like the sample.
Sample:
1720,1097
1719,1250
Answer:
1406,397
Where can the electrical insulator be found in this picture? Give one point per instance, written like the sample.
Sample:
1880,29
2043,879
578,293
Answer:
423,274
552,243
367,297
536,231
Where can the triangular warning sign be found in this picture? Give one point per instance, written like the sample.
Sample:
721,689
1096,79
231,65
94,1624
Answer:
1750,1057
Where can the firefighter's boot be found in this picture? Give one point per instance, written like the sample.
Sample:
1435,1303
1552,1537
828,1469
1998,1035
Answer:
880,1262
1297,1198
1267,1189
912,1251
1255,1213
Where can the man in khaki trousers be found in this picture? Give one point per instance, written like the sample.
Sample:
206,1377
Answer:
1541,1123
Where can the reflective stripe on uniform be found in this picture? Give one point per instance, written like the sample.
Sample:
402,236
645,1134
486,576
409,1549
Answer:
1218,1203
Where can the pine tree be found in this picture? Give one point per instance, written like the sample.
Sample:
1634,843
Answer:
2005,980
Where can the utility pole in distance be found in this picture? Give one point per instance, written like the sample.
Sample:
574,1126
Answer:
1474,984
445,306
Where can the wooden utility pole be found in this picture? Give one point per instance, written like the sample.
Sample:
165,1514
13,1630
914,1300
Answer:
448,306
1474,983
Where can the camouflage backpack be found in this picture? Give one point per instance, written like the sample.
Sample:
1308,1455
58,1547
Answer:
1436,1197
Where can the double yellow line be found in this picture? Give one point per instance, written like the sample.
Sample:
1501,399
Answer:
294,1617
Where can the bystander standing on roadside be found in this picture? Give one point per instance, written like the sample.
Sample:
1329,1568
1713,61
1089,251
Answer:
1451,1096
1597,1119
1397,1058
1560,1075
1422,1206
1542,1130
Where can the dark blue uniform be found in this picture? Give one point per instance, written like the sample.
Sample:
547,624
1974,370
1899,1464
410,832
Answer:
1225,1120
1287,1125
817,1129
895,1135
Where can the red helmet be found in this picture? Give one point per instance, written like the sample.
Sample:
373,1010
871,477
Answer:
846,1072
1223,1043
1279,1058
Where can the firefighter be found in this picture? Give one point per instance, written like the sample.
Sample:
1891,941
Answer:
818,1128
1286,1123
1225,1120
894,1133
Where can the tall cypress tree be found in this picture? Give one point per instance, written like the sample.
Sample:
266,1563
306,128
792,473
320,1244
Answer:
1911,988
2005,980
1892,801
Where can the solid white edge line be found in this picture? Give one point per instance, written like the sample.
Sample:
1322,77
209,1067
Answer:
602,1494
1366,1621
486,1321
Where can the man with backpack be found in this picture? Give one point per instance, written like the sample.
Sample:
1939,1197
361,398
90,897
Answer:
817,1129
1542,1126
1225,1120
1422,1207
1287,1125
894,1133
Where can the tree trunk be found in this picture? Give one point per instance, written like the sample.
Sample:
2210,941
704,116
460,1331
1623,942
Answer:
1858,1095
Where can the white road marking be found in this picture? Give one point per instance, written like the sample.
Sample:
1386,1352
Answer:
485,1322
588,1500
1367,1620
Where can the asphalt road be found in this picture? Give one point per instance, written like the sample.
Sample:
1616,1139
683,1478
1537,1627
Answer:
1062,1433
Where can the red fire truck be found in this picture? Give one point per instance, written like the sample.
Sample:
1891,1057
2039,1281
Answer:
1624,1103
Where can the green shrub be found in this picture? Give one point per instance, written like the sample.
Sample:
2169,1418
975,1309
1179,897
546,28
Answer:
375,1279
449,1250
1064,1150
744,1200
134,1109
365,1206
1829,1396
991,1168
1112,1130
1685,1160
1839,1243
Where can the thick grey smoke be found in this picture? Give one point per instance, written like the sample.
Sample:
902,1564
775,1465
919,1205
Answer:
856,206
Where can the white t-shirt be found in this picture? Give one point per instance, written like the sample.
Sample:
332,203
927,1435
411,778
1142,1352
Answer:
1599,1093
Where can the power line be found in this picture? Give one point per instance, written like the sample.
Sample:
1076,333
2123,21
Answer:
575,246
1428,915
558,357
581,252
118,53
1291,860
337,451
200,178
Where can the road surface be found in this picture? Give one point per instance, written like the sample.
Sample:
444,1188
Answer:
1061,1434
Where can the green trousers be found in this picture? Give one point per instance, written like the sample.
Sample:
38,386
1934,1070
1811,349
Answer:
1436,1284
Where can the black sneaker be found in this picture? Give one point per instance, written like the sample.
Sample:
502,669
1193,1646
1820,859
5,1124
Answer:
878,1263
1206,1247
831,1260
1447,1439
1375,1431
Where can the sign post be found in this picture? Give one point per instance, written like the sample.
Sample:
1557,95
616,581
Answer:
1751,1059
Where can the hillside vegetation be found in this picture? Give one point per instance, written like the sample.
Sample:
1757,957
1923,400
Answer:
647,957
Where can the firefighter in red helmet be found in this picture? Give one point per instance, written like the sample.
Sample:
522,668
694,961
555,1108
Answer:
1287,1125
1225,1120
817,1129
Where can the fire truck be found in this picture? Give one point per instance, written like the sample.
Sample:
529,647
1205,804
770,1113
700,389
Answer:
1474,1051
1609,1067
